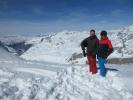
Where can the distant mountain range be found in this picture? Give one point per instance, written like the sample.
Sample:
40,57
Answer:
65,46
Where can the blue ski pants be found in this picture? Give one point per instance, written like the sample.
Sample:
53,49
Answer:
101,62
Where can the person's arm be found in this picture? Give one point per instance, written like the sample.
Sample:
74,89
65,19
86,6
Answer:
97,47
83,45
97,44
111,49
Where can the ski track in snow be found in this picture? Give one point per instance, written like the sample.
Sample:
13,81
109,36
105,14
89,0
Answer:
37,71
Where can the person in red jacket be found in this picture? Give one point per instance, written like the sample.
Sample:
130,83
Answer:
88,46
104,49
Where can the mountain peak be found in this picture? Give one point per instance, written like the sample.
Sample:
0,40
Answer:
128,29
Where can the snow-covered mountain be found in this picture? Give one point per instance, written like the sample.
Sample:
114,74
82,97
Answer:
15,44
65,46
123,42
54,79
6,56
55,48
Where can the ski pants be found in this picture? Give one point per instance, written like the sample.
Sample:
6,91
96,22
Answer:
92,64
102,68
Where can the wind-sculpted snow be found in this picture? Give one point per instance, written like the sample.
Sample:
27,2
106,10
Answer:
75,83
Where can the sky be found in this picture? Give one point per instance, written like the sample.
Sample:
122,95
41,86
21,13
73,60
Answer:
45,16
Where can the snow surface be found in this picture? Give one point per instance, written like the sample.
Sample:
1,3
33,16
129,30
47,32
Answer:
57,48
70,84
46,73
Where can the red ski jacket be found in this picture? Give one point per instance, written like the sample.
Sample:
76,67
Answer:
105,47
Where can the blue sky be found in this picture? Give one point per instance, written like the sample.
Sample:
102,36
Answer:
44,16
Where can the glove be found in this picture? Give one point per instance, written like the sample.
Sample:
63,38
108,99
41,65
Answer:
84,53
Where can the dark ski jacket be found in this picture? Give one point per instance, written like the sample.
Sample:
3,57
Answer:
104,47
91,44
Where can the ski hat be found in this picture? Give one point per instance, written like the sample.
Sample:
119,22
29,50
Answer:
103,33
92,32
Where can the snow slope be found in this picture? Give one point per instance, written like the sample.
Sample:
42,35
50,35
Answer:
123,42
49,76
57,48
25,80
14,63
70,84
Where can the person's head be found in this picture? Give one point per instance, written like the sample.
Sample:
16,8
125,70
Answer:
103,34
92,32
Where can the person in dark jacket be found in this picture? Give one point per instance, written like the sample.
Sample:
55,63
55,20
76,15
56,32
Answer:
103,51
91,44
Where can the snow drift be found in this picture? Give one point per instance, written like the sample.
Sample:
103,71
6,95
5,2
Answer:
73,83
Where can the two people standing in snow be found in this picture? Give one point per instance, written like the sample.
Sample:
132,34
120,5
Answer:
101,48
